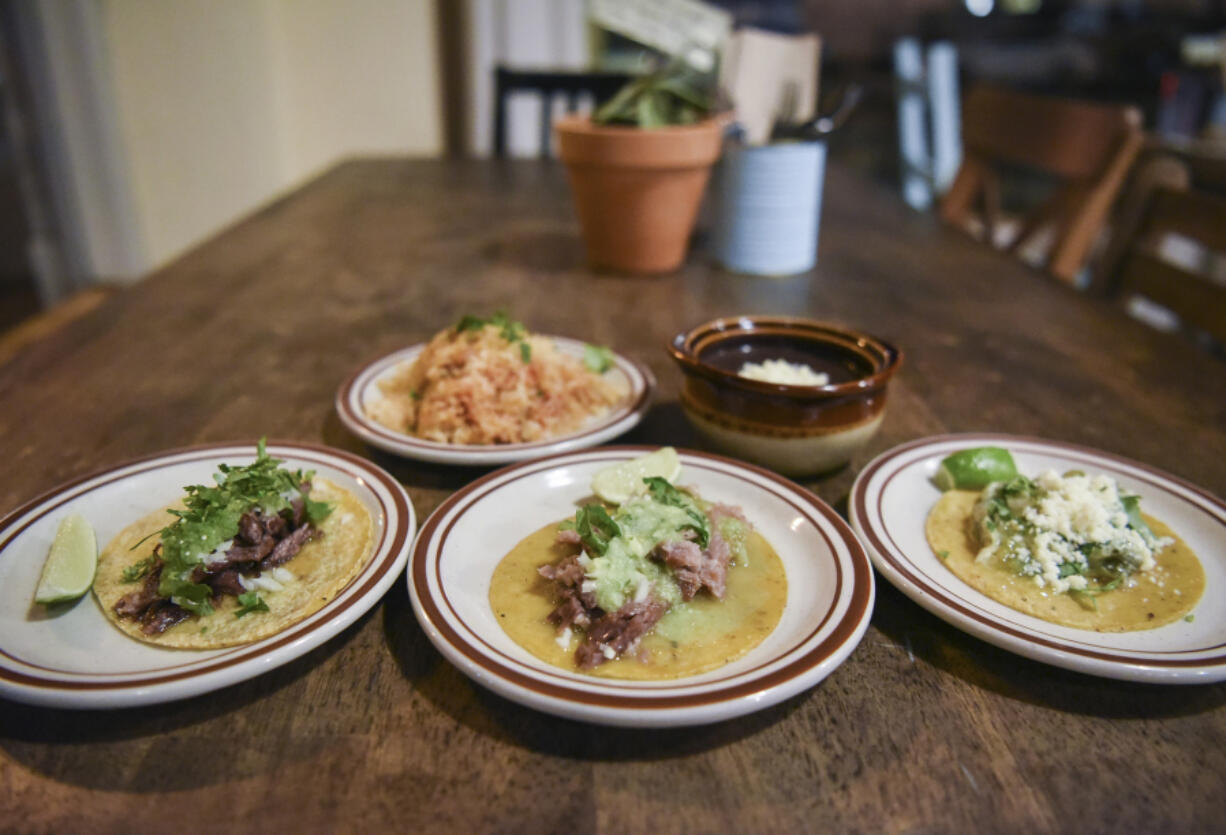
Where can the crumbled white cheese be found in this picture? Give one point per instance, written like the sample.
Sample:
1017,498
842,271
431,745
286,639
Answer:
1051,530
784,373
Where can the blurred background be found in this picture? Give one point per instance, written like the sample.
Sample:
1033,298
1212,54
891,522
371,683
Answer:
134,129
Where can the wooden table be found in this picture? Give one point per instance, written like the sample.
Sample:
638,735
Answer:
923,728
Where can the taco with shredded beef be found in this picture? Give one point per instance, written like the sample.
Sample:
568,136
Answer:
237,561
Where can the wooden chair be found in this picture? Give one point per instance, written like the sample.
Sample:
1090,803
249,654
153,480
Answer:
1204,161
1085,148
1169,248
547,84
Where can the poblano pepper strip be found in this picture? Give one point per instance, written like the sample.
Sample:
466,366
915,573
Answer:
595,528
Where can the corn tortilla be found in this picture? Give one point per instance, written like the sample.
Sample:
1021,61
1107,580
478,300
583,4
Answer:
1160,596
321,570
699,635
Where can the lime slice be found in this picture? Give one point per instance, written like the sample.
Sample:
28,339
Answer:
621,481
974,469
69,570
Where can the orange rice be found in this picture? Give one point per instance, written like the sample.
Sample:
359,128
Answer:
474,387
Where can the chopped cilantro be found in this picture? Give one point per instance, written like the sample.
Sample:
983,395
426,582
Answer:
597,358
509,329
943,554
250,602
139,569
1190,618
212,516
1067,569
1087,598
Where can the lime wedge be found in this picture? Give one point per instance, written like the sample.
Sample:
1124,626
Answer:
619,482
974,469
69,570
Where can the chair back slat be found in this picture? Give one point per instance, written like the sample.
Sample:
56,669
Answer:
1086,148
1196,300
547,85
1071,139
1192,214
1186,275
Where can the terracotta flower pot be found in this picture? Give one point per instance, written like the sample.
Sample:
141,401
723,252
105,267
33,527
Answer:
637,191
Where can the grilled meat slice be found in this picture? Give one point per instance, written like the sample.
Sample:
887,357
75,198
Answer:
619,632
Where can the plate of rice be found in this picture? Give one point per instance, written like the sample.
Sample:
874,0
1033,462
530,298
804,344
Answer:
486,391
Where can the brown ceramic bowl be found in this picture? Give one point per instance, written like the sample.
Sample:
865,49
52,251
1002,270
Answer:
792,429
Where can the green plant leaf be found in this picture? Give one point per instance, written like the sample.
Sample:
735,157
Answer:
673,95
651,111
686,92
621,106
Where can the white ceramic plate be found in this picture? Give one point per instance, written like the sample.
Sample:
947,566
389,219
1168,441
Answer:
77,659
363,387
830,592
890,503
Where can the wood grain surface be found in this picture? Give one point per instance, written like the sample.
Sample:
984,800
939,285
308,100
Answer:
922,729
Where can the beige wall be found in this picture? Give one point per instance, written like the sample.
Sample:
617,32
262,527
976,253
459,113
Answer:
224,104
357,76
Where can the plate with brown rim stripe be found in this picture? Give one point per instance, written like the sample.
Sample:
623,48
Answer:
72,657
889,505
631,377
829,591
